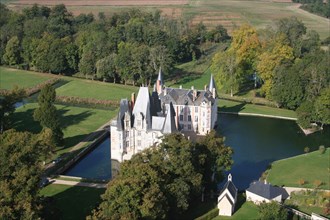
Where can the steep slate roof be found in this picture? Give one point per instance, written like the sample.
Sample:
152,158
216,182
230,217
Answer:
124,107
212,85
169,125
142,105
185,96
160,76
231,188
265,190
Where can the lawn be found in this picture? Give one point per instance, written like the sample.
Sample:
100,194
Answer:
95,89
231,106
76,122
243,210
13,77
247,211
71,202
309,167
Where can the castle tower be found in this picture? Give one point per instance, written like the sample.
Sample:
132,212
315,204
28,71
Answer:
159,82
212,87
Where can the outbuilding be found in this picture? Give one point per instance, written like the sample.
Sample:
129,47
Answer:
227,198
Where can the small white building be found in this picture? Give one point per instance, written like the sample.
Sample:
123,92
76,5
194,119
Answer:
260,191
227,198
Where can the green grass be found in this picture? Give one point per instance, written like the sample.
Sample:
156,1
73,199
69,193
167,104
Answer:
309,167
247,211
77,122
72,202
21,78
95,89
231,106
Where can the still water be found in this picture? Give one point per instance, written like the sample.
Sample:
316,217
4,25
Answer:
259,141
256,142
95,165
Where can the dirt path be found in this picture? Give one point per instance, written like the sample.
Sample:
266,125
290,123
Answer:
74,183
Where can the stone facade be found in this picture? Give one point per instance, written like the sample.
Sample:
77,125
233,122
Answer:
142,122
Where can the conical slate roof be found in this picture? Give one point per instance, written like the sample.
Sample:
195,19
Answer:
212,85
142,105
160,76
169,125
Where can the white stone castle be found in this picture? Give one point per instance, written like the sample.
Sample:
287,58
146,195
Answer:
141,123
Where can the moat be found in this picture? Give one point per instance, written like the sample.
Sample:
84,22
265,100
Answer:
256,141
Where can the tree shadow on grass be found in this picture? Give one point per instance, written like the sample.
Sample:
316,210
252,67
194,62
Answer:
236,108
23,121
64,205
72,119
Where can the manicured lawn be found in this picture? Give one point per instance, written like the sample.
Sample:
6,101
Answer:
309,167
72,202
247,211
76,122
13,77
231,106
95,89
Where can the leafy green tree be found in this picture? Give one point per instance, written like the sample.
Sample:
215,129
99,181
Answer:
60,21
7,106
12,52
305,114
106,67
46,113
322,107
272,211
21,156
227,71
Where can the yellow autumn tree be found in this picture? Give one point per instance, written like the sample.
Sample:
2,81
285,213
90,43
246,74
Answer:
275,51
246,45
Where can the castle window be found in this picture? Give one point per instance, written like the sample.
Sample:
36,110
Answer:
126,124
127,143
189,127
203,113
196,109
138,123
139,143
127,133
189,117
139,133
181,117
196,118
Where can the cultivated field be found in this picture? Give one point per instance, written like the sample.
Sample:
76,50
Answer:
229,13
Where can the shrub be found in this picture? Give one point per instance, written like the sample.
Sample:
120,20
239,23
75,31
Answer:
301,182
322,149
317,183
210,215
306,150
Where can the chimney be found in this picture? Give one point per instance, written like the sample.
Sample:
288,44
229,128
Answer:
194,94
192,88
205,87
132,100
213,92
165,91
180,86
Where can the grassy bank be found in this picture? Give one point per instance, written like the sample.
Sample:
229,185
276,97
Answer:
308,167
21,78
238,107
77,122
71,202
95,89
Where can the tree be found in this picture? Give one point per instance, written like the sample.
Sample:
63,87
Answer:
12,53
7,106
106,67
46,113
322,107
272,211
227,72
275,51
161,181
305,114
21,156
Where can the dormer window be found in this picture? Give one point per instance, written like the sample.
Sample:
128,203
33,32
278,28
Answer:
139,123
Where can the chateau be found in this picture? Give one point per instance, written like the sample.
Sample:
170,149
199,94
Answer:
141,122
